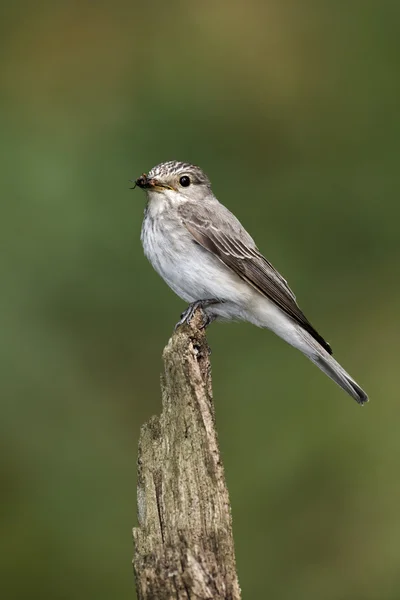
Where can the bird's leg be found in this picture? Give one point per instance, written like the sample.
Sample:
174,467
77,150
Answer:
187,315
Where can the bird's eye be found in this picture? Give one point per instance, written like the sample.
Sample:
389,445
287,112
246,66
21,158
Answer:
184,181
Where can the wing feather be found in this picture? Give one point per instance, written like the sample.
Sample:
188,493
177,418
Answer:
237,250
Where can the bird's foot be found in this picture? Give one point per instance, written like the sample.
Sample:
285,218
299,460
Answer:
188,314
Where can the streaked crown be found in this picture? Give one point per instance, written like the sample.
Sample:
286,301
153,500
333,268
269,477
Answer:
175,167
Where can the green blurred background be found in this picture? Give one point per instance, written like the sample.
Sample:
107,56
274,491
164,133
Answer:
292,108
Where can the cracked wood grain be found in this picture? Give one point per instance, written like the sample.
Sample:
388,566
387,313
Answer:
183,543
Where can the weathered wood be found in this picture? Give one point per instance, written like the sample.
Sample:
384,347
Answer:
183,545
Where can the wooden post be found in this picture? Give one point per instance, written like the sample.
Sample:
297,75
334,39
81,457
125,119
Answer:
183,545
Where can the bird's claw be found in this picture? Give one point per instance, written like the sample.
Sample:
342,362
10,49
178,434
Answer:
188,314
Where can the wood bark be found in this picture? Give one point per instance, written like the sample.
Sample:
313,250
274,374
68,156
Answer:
183,544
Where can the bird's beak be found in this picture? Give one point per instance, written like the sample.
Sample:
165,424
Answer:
151,184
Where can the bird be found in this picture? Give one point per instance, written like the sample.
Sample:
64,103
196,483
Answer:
206,256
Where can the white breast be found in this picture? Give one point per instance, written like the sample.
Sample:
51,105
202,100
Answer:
190,270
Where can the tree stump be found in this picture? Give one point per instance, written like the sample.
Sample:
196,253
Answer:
183,544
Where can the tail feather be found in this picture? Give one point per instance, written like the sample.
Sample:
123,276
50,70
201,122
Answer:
336,372
332,368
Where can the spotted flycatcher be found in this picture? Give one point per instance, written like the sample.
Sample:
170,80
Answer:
207,257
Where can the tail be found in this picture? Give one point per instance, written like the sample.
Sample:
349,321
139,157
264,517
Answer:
331,367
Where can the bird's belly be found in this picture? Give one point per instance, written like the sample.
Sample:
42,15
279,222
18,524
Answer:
192,272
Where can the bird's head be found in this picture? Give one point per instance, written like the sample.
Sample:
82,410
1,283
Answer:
175,181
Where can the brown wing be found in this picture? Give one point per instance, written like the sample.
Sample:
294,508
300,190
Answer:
236,249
